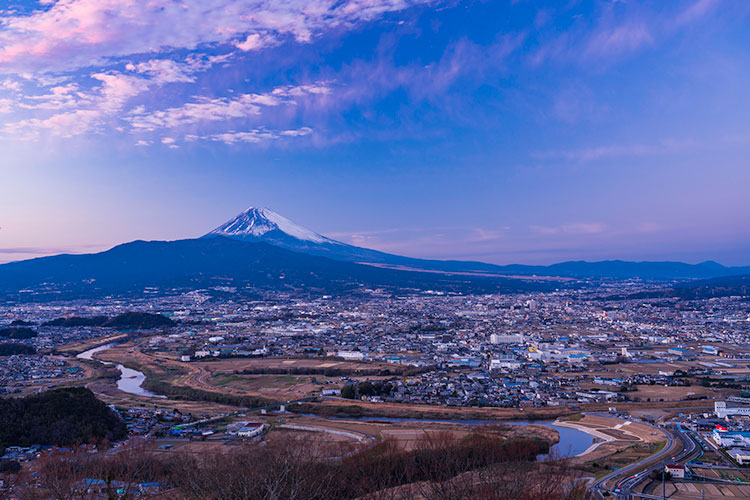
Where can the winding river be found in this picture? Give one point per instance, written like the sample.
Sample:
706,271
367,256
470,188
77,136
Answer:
130,380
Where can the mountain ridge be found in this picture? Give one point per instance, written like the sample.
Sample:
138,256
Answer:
209,262
263,224
262,250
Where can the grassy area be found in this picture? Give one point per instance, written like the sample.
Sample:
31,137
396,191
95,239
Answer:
257,382
572,418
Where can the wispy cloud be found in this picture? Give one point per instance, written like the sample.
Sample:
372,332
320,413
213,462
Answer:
697,10
204,109
573,228
90,109
251,136
164,70
624,38
618,150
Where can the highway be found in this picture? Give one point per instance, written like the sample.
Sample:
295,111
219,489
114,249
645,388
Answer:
635,469
624,489
690,449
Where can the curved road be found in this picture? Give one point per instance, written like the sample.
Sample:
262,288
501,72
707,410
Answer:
598,486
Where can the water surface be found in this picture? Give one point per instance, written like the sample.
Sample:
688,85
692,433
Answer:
130,380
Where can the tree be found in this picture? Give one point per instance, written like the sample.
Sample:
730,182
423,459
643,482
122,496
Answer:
349,391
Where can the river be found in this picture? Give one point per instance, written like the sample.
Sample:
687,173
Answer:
572,441
130,380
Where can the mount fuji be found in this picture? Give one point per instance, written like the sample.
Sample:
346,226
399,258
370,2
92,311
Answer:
264,225
259,250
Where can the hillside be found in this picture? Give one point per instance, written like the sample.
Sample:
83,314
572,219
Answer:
61,417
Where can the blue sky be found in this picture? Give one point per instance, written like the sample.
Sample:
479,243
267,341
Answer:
529,132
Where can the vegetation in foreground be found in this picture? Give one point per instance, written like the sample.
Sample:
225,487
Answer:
440,467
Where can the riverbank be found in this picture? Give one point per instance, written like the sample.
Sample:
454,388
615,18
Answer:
600,436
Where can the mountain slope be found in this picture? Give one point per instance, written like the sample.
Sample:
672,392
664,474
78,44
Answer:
262,224
200,263
725,286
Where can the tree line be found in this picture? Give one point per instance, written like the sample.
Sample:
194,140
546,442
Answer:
439,466
13,348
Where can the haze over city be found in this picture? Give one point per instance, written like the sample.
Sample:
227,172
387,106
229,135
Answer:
506,132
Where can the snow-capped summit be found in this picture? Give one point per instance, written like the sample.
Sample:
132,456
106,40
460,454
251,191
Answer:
264,224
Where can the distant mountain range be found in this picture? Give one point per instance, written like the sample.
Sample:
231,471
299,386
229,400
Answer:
262,224
262,250
222,262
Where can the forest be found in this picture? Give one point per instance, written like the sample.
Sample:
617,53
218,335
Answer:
129,320
60,417
13,348
18,333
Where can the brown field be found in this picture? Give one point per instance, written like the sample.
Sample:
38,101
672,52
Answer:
286,387
670,393
79,347
240,364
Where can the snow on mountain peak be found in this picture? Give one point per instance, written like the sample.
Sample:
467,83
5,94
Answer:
259,221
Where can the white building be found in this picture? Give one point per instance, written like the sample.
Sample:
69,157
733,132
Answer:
726,439
740,456
722,411
510,364
251,430
351,355
677,471
506,339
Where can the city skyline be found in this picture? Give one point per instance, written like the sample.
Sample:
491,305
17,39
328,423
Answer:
506,133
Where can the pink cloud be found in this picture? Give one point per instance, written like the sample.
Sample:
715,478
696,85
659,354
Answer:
76,33
255,41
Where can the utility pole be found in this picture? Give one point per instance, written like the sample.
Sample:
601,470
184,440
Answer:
663,484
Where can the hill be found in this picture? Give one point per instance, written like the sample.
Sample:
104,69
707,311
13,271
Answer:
128,320
61,417
18,333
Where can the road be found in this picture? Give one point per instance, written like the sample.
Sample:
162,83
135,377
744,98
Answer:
624,494
676,436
